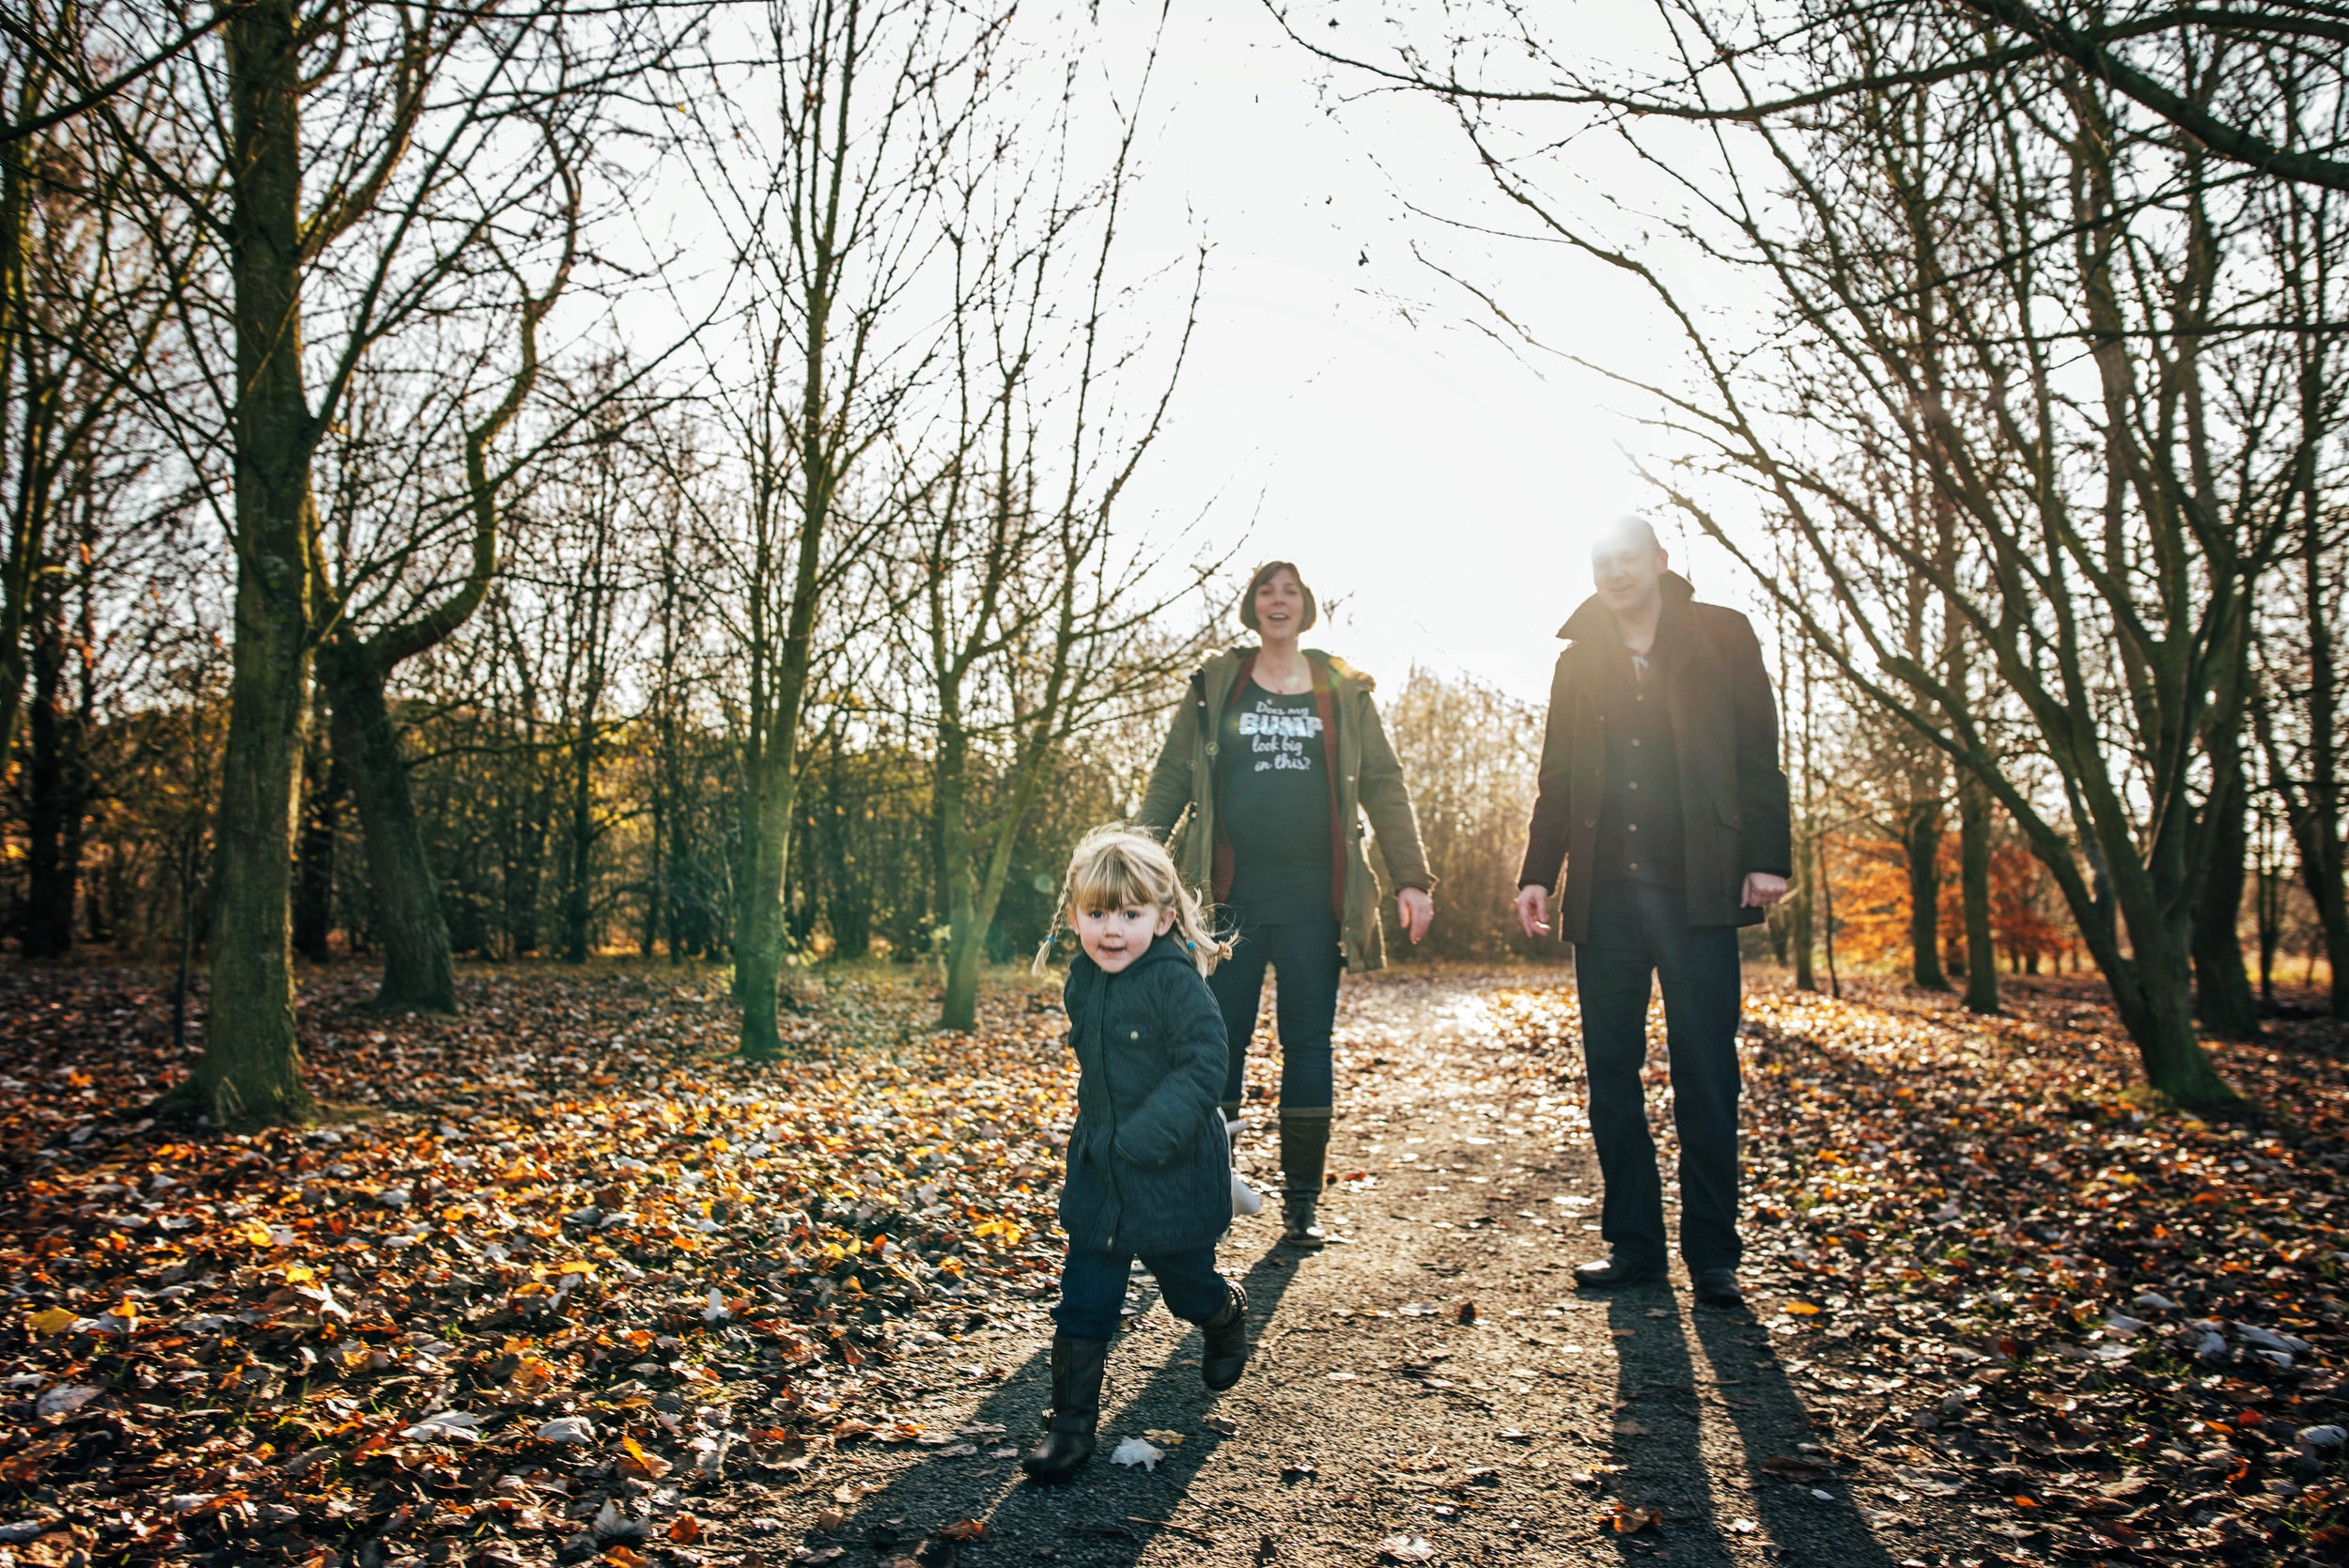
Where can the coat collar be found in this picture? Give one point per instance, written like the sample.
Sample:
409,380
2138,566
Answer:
1594,622
1164,950
1343,677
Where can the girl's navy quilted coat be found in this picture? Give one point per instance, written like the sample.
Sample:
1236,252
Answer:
1149,1166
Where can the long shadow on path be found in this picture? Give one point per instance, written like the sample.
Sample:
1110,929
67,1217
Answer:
1109,1516
1771,1422
1666,1397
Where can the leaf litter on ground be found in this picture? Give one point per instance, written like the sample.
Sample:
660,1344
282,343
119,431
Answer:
1993,1269
543,1255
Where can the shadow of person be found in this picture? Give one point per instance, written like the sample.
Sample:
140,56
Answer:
1664,1495
1811,1518
1112,1515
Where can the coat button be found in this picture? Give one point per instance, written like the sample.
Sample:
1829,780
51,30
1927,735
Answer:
1133,1034
1634,785
1635,742
1635,866
1634,827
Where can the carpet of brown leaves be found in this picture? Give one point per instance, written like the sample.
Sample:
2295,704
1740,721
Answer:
2113,1329
564,1280
569,1241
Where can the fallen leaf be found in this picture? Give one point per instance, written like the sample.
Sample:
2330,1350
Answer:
1137,1451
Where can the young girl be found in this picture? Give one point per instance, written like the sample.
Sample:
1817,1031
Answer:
1149,1168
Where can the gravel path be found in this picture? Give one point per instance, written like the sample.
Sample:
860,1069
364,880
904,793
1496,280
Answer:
1432,1385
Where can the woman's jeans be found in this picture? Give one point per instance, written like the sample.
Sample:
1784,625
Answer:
1636,930
1306,1008
1093,1288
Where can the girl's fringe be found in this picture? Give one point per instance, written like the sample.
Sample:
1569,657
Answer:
1122,866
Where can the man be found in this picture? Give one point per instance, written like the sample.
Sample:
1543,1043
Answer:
1661,794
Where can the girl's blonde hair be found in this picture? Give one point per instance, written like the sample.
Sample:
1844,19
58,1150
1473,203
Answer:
1117,866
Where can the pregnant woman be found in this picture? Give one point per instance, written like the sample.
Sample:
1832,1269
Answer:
1274,760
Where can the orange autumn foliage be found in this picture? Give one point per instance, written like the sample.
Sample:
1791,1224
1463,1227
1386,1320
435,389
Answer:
1869,878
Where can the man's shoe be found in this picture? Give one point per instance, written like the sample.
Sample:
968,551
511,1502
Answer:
1078,1366
1297,1223
1224,1351
1615,1273
1717,1287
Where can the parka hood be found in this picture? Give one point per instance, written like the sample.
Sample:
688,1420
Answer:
1339,668
1593,619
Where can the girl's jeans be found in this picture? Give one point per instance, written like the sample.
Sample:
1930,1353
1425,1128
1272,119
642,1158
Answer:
1093,1288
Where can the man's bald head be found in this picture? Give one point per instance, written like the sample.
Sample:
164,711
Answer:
1627,564
1629,532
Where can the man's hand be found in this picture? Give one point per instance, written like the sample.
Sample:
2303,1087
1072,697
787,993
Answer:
1415,909
1533,910
1763,889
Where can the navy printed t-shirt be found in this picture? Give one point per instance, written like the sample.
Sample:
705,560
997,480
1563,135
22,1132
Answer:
1275,808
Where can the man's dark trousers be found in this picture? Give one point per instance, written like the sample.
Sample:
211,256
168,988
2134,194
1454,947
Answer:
1638,929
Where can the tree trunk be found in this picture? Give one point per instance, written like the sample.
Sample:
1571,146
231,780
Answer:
322,786
1973,860
959,1007
758,946
1920,841
1805,974
1826,916
2223,999
580,846
2152,983
53,804
2271,930
419,974
251,1069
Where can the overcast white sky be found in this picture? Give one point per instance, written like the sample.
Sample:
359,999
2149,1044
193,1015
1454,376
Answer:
1339,396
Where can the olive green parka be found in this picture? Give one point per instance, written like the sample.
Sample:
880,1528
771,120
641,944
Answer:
1179,805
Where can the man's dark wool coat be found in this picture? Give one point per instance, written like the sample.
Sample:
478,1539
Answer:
1724,721
1149,1166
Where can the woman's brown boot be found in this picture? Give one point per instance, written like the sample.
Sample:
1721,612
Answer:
1078,1366
1304,1156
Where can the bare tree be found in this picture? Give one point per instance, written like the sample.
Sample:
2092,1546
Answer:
2151,56
2009,287
1027,625
829,209
347,184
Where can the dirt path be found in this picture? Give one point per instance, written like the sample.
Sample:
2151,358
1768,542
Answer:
1434,1378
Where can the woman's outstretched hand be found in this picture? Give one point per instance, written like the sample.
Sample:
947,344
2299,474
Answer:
1416,910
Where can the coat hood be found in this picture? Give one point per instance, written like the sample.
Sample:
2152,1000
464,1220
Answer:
1593,619
1339,668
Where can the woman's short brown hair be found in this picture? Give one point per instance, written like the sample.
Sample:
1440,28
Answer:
1263,575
